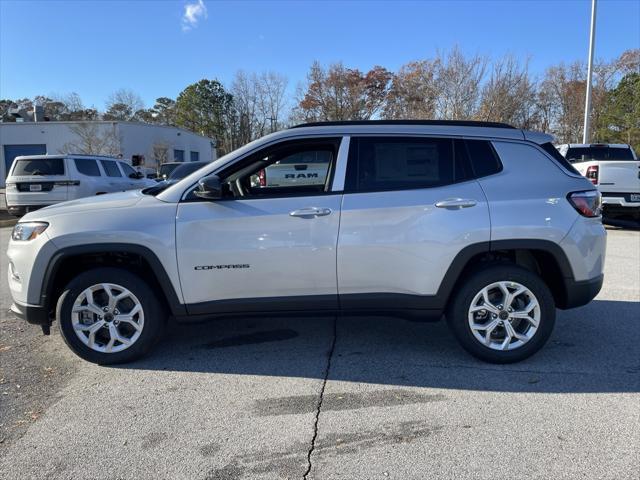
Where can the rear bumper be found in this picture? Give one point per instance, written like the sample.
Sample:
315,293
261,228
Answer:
614,210
20,210
35,315
582,292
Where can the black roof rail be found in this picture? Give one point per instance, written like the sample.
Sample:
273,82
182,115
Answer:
451,123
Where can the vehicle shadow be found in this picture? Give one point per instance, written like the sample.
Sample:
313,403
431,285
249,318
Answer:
595,348
621,224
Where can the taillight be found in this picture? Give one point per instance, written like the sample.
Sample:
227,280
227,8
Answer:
592,174
586,203
262,178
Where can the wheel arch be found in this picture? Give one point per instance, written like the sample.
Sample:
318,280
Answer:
543,257
112,254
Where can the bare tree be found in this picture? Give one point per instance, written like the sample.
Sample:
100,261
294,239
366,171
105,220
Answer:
508,95
72,101
413,92
563,87
340,93
272,88
160,150
245,119
628,62
123,104
458,81
259,102
92,140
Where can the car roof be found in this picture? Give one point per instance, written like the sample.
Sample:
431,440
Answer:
417,127
70,155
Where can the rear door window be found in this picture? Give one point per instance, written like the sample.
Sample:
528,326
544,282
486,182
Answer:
484,160
401,163
39,166
87,166
111,168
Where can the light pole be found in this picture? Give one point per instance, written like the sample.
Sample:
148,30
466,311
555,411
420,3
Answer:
587,103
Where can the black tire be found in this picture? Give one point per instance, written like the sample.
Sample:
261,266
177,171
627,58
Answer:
154,318
468,288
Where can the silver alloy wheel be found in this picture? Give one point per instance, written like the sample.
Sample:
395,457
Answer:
107,318
504,315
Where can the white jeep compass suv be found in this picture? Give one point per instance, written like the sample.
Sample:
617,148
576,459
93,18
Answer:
481,222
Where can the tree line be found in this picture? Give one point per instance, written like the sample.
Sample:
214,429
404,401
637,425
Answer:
451,85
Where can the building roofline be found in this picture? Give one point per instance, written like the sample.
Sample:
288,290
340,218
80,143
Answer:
75,122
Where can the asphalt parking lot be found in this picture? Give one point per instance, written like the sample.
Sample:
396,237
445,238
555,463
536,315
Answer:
332,398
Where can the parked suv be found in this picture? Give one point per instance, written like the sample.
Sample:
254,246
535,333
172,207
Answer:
484,223
36,181
615,170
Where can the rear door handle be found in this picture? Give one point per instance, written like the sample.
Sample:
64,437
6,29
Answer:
310,212
456,203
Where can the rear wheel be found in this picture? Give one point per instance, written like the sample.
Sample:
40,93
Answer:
109,315
502,314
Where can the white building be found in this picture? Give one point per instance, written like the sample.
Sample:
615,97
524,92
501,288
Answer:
144,144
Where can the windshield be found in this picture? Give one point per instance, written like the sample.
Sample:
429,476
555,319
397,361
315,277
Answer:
584,154
39,166
167,168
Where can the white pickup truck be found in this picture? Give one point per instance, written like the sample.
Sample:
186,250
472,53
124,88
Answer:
615,170
301,168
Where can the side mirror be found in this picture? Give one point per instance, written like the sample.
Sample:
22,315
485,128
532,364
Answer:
136,175
209,188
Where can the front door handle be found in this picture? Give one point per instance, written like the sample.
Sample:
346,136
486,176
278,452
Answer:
310,212
456,203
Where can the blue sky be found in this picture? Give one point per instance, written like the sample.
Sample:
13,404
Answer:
156,48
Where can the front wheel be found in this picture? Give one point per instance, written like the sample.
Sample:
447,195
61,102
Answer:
109,316
502,314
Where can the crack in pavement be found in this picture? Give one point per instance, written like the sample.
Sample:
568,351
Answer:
321,397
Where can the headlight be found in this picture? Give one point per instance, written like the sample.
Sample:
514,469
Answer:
28,231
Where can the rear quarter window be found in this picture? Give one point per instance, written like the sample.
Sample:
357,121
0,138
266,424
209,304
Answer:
127,169
553,151
111,168
39,166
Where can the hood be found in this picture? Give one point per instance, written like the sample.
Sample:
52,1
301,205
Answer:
99,202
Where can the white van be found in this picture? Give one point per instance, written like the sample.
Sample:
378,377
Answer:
36,181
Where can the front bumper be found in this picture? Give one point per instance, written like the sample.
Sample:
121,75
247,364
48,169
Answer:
580,293
33,314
